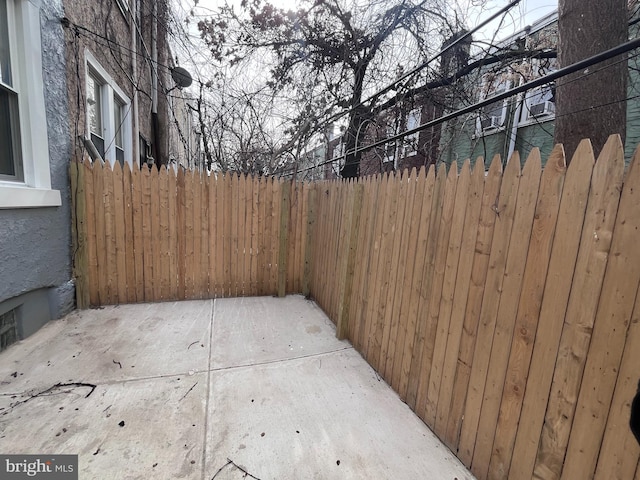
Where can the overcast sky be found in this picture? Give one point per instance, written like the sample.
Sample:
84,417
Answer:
525,13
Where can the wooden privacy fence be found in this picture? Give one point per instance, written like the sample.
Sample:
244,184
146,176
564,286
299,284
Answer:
148,235
501,306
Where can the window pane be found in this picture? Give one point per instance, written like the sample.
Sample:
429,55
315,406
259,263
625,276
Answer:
94,105
117,117
99,144
120,156
5,56
413,119
9,135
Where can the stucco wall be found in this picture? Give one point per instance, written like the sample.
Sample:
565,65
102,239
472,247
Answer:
35,244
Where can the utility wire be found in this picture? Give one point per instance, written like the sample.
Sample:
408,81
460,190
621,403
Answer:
562,72
583,64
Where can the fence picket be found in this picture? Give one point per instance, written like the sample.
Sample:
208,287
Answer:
435,291
163,232
415,369
443,326
504,209
482,251
442,406
127,211
555,299
399,283
138,239
120,287
424,214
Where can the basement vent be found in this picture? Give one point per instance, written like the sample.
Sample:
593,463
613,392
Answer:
8,328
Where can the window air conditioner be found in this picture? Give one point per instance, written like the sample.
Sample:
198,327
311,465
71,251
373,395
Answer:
491,122
541,109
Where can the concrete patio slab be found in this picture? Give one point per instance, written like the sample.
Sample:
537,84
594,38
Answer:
210,389
256,330
321,417
110,344
128,430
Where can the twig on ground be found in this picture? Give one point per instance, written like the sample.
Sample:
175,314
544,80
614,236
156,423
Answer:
192,344
231,462
188,391
50,390
117,363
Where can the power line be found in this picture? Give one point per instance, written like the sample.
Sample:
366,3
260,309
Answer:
595,59
620,49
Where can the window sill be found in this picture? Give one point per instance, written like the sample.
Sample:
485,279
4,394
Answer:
21,196
536,120
488,132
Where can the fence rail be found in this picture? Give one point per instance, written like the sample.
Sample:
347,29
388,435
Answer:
500,305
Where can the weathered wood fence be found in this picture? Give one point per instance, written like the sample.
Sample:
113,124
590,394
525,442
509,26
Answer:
501,306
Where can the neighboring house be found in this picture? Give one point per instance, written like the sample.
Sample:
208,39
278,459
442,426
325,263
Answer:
77,79
522,122
124,104
518,123
415,150
35,147
310,164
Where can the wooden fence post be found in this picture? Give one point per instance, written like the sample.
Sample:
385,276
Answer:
347,269
308,247
79,234
284,239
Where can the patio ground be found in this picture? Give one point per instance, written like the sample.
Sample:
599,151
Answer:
211,388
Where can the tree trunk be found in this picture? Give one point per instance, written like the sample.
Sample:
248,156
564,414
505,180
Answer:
591,103
355,131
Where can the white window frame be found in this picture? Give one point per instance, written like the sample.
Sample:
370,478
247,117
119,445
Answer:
109,91
34,189
391,147
414,117
532,97
493,85
338,152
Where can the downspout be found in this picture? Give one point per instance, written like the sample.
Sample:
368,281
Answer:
154,83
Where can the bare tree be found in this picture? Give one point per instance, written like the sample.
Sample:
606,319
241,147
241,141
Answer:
329,54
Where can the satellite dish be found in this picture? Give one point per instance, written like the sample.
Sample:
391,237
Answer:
181,76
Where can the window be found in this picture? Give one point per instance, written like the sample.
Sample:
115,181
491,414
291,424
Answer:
10,164
108,115
118,115
540,103
25,180
390,147
492,116
94,111
8,328
411,141
338,150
